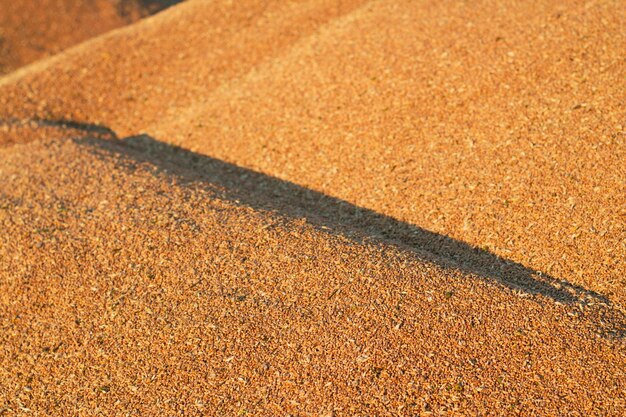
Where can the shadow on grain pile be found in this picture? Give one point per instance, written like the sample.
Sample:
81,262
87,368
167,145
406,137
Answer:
334,215
150,6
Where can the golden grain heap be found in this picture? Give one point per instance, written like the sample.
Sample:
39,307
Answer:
319,208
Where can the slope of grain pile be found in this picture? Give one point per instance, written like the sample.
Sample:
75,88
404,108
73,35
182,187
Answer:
31,30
